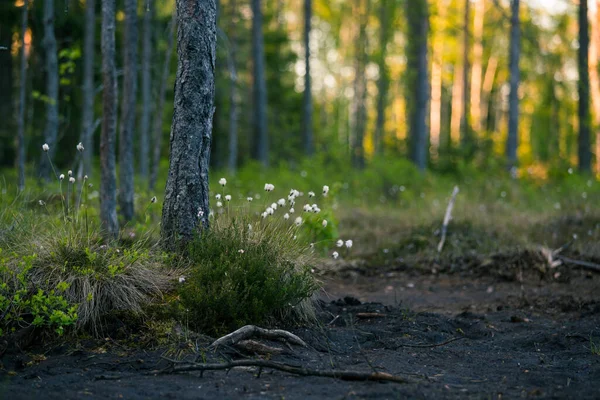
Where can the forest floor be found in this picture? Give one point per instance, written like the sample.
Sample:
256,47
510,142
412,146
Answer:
455,334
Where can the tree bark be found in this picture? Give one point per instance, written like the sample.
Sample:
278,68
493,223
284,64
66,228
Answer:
108,178
146,90
51,130
261,138
186,207
595,78
383,82
157,123
486,90
126,166
417,14
512,141
465,124
87,115
232,155
584,154
477,70
23,85
437,62
307,107
359,110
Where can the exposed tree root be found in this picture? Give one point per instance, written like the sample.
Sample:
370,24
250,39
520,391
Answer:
249,331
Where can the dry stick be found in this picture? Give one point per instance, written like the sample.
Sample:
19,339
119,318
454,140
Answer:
249,331
583,264
342,374
447,219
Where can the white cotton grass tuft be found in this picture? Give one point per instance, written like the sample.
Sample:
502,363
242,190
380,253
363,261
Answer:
270,211
325,190
286,216
72,180
219,204
348,244
264,214
335,255
274,206
181,279
311,194
45,147
269,187
80,147
324,223
339,243
222,181
228,197
249,199
298,221
218,196
85,178
307,207
152,200
292,210
281,202
61,177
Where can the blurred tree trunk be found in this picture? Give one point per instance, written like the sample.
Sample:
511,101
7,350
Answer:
146,89
126,169
486,90
437,63
595,79
583,84
307,107
465,125
23,85
186,206
383,83
232,155
108,178
51,52
157,123
417,14
359,111
261,138
7,102
457,103
512,141
87,89
477,70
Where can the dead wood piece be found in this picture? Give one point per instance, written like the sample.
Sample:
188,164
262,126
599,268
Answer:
366,315
590,266
252,346
447,218
248,331
296,370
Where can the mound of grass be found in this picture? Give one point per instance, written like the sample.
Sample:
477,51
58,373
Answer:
243,274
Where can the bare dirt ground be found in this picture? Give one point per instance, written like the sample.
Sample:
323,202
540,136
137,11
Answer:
487,335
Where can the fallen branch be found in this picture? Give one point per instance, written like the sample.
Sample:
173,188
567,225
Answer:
447,218
248,331
590,266
341,374
254,347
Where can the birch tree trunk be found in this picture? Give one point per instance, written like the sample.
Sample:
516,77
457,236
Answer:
261,138
185,207
51,130
126,166
307,100
157,123
417,14
146,90
583,84
477,70
87,113
23,85
512,141
108,176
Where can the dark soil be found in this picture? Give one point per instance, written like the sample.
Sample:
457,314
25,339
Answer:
451,335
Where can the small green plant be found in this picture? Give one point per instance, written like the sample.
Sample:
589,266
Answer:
594,346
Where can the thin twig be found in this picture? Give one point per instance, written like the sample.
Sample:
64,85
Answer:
429,346
447,218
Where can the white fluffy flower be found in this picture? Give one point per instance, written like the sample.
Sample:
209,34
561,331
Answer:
286,216
325,190
72,180
270,211
61,177
219,204
281,202
80,147
42,203
348,243
45,147
307,207
181,279
274,206
218,197
269,187
292,210
70,173
152,200
298,221
264,214
85,177
335,255
222,181
339,243
241,251
311,194
324,223
249,199
228,197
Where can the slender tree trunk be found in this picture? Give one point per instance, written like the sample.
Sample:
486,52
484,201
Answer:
146,90
512,141
51,130
126,166
87,115
595,78
465,123
261,138
417,14
233,92
486,89
477,71
437,62
157,123
457,103
307,103
186,206
584,91
359,110
383,82
108,177
23,85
